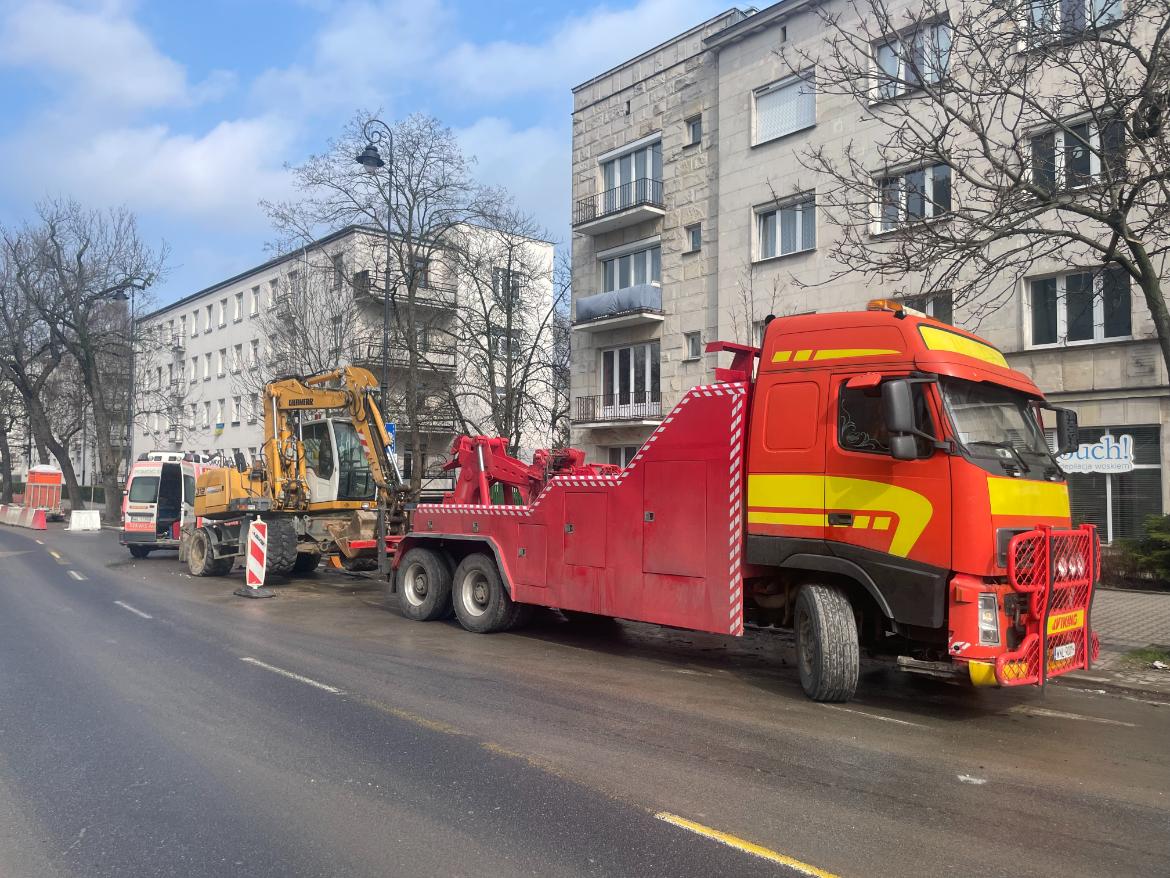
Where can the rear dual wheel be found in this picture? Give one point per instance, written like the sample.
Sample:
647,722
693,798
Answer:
482,604
423,583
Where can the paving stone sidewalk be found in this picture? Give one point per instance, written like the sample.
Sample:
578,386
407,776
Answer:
1127,620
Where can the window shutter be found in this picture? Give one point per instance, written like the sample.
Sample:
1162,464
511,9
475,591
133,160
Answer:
784,109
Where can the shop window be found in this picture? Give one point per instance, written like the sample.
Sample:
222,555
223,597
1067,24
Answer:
1115,479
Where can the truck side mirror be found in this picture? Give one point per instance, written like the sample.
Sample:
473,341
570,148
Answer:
1067,432
898,407
903,446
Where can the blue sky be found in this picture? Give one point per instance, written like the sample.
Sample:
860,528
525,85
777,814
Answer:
187,112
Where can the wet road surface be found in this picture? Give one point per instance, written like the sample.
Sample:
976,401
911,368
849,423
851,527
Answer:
153,724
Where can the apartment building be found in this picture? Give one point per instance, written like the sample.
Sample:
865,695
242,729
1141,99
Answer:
208,355
692,215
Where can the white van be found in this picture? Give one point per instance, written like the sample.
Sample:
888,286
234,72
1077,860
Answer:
159,499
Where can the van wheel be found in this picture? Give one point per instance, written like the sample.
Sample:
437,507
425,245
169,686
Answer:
282,547
306,562
827,650
139,551
482,604
423,583
201,561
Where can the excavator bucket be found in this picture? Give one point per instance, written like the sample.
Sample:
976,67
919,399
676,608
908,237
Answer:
361,529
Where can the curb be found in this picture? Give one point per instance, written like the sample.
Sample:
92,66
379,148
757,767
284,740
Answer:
1087,681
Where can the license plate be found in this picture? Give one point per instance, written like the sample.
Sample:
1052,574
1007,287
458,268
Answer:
1064,652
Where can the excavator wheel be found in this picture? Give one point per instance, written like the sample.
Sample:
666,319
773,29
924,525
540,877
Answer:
201,561
306,562
282,547
356,565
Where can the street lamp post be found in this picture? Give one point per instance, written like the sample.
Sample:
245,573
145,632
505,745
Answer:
375,131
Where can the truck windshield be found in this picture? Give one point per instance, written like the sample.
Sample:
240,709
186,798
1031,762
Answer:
996,423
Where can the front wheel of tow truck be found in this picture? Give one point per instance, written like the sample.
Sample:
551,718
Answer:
482,604
201,560
827,651
423,583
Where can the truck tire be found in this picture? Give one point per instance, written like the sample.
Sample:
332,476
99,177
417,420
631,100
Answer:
482,604
827,651
139,551
201,561
423,583
282,547
306,562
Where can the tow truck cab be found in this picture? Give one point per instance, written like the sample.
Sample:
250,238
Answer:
906,462
159,498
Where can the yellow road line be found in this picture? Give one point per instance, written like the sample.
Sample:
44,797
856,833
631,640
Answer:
743,845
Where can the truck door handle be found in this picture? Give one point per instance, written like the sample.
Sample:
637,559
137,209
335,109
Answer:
841,519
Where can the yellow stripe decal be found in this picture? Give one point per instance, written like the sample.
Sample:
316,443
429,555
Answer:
1024,498
1066,622
743,845
795,519
792,492
831,354
937,339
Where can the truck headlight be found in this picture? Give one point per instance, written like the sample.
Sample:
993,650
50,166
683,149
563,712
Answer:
988,619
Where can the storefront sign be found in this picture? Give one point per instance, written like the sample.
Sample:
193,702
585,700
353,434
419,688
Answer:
1109,454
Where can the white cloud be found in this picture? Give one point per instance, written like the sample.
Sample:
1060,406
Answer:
220,175
100,54
580,48
531,163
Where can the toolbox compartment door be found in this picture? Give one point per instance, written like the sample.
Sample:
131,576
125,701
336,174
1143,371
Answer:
674,519
585,528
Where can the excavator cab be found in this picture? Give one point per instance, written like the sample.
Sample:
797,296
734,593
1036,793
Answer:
336,466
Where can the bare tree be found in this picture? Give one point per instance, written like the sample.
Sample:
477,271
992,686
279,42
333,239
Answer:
89,261
558,355
753,300
423,194
504,326
1005,134
10,409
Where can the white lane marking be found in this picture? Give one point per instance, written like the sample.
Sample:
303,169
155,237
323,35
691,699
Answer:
975,781
1060,714
40,542
885,719
134,610
308,681
76,575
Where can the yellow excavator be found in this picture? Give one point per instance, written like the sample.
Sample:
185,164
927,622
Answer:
317,483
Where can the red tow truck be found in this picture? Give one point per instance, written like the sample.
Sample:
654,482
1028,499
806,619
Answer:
879,482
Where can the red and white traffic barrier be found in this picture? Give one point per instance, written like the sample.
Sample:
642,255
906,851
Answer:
23,516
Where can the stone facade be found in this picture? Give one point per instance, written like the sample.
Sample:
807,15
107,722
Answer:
726,289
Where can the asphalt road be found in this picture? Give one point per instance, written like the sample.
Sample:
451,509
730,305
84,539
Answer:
153,724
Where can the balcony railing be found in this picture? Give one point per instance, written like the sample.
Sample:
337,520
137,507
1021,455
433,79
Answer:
430,420
644,406
428,294
434,357
636,193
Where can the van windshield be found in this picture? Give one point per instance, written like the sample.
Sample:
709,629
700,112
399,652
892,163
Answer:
144,489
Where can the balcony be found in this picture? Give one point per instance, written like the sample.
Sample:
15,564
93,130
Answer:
432,358
625,205
439,420
618,409
639,305
428,295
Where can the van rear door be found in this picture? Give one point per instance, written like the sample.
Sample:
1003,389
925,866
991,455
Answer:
141,509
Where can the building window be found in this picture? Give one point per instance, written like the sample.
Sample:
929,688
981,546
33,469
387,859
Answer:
1076,155
1055,18
255,352
361,283
254,303
223,311
505,345
940,306
630,376
905,62
692,341
785,107
506,288
791,228
237,357
255,411
182,328
1083,306
221,362
1115,479
273,292
219,407
238,312
694,131
206,414
758,329
633,178
338,262
207,366
694,235
207,323
622,455
630,269
914,196
235,411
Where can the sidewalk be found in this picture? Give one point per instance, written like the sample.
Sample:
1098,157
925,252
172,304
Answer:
1124,621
